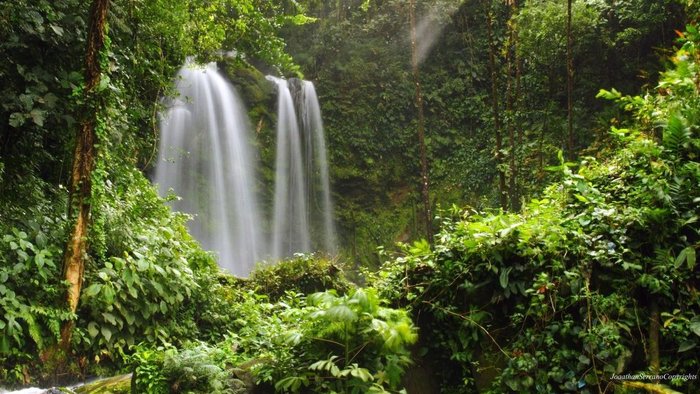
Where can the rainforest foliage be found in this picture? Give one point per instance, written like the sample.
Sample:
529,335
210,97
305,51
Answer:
567,234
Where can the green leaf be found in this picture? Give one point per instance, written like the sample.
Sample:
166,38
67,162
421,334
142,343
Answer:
108,293
609,95
92,329
39,260
57,29
106,332
41,240
38,116
291,383
23,256
687,345
142,265
362,374
4,344
341,313
695,326
16,119
109,318
581,198
93,290
690,257
503,278
627,266
104,83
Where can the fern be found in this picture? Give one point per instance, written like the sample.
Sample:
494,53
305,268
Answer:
676,135
33,328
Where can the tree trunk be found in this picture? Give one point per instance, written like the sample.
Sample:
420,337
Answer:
517,107
425,191
496,113
83,165
654,328
569,82
540,172
511,100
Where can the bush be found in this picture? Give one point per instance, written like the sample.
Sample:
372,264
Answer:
198,368
140,281
31,291
304,274
321,344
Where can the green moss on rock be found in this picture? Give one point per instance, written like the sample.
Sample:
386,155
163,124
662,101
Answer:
114,385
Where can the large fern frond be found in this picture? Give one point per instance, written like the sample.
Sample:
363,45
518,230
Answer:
676,134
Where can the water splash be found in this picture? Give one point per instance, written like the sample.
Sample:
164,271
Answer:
206,158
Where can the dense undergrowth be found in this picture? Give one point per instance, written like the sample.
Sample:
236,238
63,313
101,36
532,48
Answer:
597,277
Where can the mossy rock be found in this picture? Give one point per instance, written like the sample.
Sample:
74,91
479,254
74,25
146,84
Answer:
113,385
257,92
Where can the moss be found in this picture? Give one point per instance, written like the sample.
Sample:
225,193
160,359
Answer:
256,91
113,385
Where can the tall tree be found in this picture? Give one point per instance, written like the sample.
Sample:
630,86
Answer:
569,82
502,193
425,191
84,163
512,93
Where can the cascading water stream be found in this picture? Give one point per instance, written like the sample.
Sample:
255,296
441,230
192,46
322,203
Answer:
290,224
312,123
302,199
206,158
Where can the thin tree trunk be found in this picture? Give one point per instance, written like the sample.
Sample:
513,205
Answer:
569,82
518,74
540,172
510,111
83,165
496,113
517,107
654,327
425,190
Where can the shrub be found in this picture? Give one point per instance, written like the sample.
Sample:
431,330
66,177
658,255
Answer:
321,344
304,274
31,291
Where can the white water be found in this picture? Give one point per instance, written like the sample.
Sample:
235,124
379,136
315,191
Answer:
302,199
206,158
290,224
313,124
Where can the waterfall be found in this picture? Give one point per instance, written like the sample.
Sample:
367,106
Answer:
312,123
302,199
290,225
206,158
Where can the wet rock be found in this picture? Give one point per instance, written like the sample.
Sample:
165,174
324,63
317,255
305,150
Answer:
113,385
